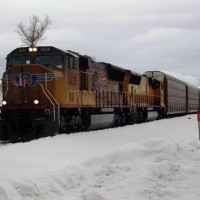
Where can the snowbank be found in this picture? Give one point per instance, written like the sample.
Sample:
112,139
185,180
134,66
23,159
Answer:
155,169
156,160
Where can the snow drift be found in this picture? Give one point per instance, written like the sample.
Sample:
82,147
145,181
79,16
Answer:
155,169
140,162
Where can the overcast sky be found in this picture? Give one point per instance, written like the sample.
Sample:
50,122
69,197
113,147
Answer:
139,35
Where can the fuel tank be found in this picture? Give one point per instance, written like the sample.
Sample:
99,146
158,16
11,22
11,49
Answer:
152,115
99,121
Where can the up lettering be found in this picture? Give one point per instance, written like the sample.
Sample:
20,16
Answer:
72,80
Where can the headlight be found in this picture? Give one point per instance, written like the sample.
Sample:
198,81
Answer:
36,101
4,103
34,49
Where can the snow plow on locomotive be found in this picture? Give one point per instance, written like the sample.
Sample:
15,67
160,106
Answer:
47,91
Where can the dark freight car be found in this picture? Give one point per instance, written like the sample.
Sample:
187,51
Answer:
192,99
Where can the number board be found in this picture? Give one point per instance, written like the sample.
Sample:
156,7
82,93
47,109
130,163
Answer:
45,49
22,50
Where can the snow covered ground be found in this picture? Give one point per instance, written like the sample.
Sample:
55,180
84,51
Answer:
156,160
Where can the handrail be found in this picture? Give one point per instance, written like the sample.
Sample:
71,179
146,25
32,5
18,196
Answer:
50,101
116,98
6,85
52,98
142,99
110,98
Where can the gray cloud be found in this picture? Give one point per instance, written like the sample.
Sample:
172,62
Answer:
139,35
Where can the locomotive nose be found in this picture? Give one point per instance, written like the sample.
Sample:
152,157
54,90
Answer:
28,83
29,111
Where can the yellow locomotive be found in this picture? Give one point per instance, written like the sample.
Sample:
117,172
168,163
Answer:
47,91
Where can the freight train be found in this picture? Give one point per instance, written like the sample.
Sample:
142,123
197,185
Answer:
48,91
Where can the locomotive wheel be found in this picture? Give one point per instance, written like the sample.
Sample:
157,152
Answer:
71,124
140,117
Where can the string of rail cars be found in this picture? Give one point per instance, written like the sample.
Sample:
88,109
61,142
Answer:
46,91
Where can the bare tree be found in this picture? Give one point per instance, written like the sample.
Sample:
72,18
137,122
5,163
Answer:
31,34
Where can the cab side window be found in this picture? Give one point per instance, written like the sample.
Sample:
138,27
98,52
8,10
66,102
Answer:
72,63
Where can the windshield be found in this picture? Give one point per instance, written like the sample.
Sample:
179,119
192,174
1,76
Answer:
54,61
12,61
48,61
